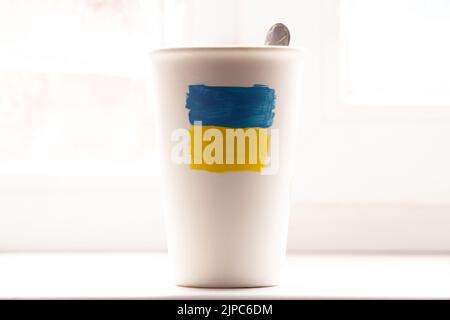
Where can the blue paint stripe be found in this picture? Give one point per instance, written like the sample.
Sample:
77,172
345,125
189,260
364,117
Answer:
232,107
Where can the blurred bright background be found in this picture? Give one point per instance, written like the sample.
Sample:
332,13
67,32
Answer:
78,155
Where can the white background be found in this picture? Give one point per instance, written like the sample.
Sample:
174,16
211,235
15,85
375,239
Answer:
78,170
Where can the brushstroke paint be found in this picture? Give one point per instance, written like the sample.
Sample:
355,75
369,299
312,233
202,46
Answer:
232,107
258,148
220,113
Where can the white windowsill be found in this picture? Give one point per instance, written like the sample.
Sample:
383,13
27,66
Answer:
148,276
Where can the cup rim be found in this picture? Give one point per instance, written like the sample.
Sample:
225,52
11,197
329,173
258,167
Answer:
226,48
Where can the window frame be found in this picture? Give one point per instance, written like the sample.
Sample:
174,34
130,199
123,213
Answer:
336,105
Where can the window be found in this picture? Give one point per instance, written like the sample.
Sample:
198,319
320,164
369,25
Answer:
73,77
77,147
396,52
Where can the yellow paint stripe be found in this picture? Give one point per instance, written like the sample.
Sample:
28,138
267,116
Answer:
210,154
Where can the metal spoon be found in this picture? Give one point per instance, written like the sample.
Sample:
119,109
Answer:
278,35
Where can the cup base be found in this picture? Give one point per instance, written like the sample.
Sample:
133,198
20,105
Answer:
226,286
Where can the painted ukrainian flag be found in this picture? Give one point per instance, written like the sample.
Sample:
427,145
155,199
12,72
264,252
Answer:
237,116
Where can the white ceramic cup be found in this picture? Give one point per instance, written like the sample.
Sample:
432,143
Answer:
226,229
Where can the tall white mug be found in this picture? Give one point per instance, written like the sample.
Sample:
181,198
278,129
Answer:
227,126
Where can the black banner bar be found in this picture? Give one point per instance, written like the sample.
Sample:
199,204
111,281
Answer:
216,309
